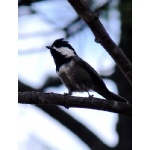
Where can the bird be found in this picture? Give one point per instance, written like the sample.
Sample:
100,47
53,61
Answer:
77,74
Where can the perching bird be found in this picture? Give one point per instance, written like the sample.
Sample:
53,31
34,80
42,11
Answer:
76,74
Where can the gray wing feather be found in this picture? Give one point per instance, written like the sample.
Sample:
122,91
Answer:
94,75
100,86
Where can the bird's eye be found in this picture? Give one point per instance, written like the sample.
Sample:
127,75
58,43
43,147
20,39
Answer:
52,47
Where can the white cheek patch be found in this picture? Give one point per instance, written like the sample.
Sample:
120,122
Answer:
65,51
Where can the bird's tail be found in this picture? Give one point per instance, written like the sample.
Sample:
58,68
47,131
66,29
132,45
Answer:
115,97
109,95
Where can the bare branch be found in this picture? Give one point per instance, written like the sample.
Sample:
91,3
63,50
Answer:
102,37
33,97
75,126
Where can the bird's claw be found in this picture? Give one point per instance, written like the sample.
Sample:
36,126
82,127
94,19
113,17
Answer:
68,94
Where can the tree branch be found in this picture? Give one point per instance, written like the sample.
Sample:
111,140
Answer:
102,37
66,119
33,97
75,126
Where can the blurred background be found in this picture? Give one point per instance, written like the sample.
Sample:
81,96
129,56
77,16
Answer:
40,22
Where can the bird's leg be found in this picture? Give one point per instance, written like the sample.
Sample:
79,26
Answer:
90,96
68,94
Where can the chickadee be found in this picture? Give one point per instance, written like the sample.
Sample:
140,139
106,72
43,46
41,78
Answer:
76,74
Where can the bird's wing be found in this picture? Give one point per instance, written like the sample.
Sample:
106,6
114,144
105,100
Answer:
101,87
90,70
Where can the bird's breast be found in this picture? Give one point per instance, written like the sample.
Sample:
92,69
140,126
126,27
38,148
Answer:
75,77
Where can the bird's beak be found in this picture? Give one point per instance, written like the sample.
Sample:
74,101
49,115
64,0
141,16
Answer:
49,47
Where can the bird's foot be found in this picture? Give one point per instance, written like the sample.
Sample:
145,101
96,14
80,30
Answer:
68,94
90,96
